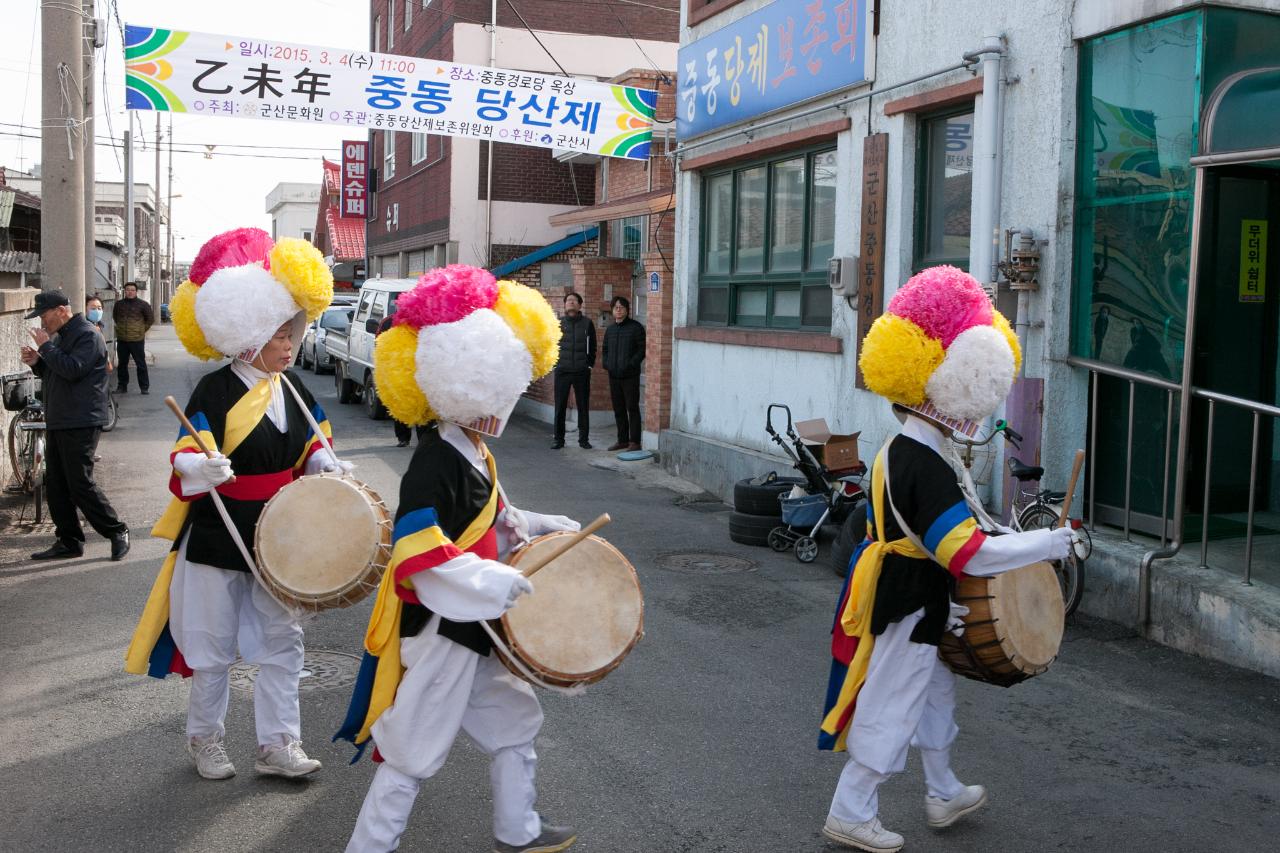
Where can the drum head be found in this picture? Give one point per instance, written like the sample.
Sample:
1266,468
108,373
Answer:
1029,610
586,611
317,536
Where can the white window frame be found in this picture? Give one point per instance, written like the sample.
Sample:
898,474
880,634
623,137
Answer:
408,14
377,34
391,24
418,151
388,155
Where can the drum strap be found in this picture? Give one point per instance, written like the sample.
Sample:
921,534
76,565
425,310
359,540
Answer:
575,690
897,516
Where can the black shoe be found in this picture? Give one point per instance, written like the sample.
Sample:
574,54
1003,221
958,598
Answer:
119,546
59,550
557,445
553,839
404,442
121,389
145,391
585,445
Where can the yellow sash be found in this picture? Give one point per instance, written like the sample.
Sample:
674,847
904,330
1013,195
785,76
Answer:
382,639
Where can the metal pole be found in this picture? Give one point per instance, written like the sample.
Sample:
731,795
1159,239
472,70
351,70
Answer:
87,38
62,137
129,237
986,166
155,224
1128,464
1164,488
1208,479
488,183
1093,452
1253,484
168,211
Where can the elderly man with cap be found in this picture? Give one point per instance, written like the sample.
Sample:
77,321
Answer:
71,359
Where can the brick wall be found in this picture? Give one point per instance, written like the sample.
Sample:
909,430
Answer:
543,390
596,18
525,173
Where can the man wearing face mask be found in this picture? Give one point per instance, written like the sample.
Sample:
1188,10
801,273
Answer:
70,357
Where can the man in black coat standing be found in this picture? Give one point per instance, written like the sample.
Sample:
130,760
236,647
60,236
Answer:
623,353
70,357
573,370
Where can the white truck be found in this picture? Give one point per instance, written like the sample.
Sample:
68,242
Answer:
352,349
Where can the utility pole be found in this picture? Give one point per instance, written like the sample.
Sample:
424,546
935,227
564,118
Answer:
129,239
61,147
88,42
155,225
168,209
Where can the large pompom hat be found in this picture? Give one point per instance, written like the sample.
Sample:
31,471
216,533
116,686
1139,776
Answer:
463,348
243,286
942,350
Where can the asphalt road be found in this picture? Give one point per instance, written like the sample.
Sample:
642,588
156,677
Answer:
704,740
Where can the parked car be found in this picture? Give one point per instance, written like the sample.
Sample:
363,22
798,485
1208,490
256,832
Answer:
312,353
352,347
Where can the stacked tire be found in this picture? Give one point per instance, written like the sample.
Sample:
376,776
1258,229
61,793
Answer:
756,507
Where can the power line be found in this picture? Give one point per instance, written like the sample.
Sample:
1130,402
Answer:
193,144
535,38
104,143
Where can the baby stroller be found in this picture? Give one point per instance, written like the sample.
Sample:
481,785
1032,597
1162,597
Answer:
831,494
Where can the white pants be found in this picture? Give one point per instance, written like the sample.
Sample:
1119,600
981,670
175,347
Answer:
908,699
211,613
446,689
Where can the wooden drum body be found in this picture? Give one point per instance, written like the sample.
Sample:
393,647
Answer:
584,616
1013,629
323,542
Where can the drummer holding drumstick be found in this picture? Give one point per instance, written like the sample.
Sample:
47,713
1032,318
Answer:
250,298
946,359
463,350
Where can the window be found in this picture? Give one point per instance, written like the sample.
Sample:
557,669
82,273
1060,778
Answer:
388,155
556,275
391,23
408,14
362,312
379,308
335,319
768,230
944,189
377,33
418,153
627,237
306,235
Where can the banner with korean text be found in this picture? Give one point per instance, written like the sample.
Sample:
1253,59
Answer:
355,179
238,77
786,52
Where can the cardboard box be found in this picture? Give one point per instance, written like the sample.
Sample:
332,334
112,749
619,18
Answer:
837,452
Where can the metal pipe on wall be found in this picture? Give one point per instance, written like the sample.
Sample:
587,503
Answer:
488,181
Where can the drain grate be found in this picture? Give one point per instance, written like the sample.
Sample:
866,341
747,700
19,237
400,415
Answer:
704,562
321,670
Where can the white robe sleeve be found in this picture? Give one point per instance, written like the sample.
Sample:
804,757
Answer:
467,588
1011,551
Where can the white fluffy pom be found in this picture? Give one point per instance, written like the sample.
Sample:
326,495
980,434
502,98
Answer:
974,377
240,308
472,368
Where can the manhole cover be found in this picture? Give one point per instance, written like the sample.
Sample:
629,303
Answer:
321,670
705,562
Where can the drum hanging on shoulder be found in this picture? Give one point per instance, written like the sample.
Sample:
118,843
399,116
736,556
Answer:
323,542
1013,629
584,616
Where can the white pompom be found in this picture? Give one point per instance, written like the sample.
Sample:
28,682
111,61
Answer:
472,368
975,375
240,308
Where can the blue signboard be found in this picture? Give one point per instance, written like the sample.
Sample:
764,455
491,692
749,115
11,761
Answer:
786,52
655,282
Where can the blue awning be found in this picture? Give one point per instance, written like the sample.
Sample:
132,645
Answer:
545,252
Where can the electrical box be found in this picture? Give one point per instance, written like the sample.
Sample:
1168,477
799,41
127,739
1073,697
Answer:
842,275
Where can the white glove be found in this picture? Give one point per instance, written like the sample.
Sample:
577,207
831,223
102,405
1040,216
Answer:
542,524
520,585
200,473
517,525
1061,543
955,619
322,462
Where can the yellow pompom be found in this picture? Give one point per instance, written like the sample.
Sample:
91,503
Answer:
182,308
526,311
1002,326
300,267
394,364
897,359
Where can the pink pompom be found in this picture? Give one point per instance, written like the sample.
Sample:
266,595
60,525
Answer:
231,249
944,301
447,295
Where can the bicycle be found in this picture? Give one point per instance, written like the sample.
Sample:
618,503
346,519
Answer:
113,410
1041,511
26,440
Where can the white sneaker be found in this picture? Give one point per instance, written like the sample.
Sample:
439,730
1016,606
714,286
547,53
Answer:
288,760
211,758
868,835
942,813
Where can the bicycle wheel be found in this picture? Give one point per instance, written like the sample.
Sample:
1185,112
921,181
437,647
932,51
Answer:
1070,571
113,413
37,473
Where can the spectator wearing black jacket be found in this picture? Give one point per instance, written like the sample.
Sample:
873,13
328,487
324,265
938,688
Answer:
71,359
133,317
573,370
622,354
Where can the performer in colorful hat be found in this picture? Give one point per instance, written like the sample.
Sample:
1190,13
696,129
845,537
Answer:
946,359
248,299
463,349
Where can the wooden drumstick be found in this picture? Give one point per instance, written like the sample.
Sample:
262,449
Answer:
177,410
577,537
1071,488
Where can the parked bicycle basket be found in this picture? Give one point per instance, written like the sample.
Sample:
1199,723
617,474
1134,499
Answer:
18,389
804,511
